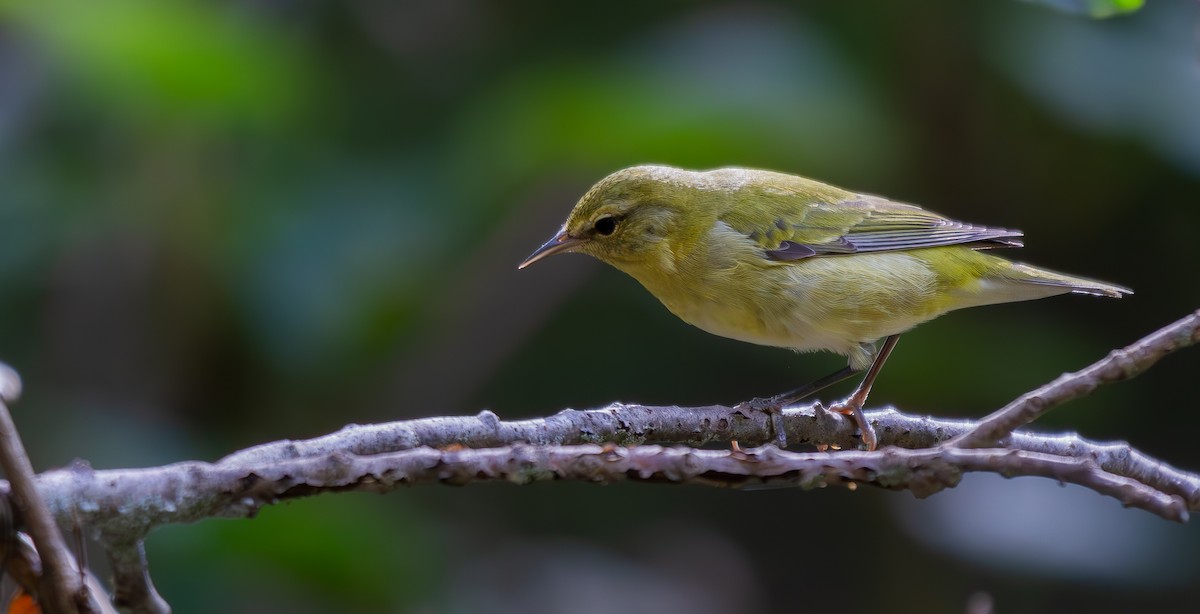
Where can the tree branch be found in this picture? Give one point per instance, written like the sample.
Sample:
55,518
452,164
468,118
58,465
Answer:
60,589
133,591
191,491
918,453
1118,365
631,424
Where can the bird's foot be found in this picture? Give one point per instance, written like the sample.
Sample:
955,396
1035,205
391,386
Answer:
855,411
774,410
767,405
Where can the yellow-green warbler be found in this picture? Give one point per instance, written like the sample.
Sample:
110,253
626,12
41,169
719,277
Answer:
781,260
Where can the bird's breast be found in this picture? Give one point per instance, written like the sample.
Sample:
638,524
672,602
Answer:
725,286
834,303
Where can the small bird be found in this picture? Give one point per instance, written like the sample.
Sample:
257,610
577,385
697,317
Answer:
781,260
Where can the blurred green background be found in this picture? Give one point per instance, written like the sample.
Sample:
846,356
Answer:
223,223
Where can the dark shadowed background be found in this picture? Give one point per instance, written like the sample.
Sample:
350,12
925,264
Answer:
223,223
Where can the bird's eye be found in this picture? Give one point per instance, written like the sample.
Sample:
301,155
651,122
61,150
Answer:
605,225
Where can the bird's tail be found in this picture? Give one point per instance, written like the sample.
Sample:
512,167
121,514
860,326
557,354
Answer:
1051,282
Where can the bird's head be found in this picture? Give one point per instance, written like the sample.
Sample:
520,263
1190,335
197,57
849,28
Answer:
631,219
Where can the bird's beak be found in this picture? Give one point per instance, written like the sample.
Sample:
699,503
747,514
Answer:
561,242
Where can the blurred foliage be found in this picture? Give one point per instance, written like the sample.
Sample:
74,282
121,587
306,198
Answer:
321,554
174,59
1093,8
230,222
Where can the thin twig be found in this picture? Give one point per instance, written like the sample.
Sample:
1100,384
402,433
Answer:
135,593
10,384
61,587
1118,365
22,563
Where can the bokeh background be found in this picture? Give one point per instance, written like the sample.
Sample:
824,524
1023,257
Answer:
224,223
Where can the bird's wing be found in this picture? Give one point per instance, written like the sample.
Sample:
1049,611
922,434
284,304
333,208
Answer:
862,224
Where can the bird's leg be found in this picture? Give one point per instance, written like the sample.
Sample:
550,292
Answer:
811,388
853,405
773,406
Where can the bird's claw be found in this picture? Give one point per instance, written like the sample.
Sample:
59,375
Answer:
769,405
866,431
774,410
